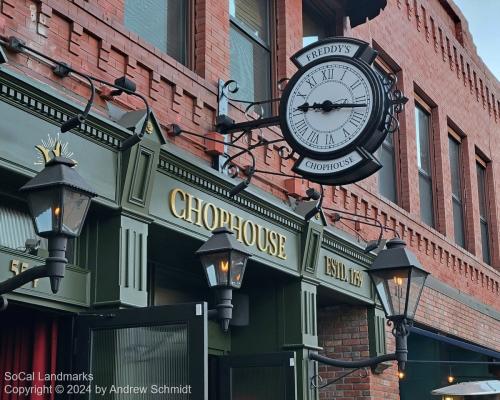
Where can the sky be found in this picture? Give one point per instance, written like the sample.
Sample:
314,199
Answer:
483,18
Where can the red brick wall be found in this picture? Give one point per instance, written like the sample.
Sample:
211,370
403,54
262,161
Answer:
343,334
419,38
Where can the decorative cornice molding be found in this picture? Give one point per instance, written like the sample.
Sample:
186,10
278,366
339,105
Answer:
345,248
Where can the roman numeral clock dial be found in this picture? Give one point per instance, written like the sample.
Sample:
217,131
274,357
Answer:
328,107
336,111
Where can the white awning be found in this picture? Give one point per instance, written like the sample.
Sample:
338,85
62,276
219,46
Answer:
478,388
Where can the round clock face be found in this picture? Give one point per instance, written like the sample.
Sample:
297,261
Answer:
329,106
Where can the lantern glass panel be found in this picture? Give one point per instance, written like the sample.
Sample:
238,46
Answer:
217,266
392,286
46,210
417,282
76,205
238,261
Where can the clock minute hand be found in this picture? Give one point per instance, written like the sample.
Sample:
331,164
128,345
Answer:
349,105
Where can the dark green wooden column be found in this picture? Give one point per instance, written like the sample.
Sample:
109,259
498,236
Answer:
299,311
299,330
120,271
119,274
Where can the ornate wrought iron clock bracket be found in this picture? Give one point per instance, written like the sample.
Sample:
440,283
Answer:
226,125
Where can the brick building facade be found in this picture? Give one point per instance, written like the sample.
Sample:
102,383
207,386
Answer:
425,43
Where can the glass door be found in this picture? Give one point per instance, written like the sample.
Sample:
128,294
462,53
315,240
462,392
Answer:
144,353
258,377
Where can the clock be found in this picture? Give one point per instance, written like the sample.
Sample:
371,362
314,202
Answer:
331,106
334,112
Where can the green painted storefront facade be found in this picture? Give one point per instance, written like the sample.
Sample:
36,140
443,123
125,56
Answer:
156,205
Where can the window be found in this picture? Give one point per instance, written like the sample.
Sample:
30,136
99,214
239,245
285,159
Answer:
163,23
314,24
250,40
387,155
456,188
422,125
387,174
483,210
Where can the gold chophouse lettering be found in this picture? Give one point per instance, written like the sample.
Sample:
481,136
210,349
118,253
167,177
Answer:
194,210
338,270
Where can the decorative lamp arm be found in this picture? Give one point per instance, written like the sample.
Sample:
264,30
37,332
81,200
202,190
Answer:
400,332
23,278
369,362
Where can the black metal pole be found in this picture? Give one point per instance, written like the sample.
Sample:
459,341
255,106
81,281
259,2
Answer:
225,126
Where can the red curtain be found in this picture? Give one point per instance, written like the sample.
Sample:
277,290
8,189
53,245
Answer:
28,348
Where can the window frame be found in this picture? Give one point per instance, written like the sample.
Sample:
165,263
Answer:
240,26
394,147
322,15
191,33
454,136
428,176
485,165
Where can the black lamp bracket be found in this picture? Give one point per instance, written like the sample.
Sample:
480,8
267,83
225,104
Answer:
54,268
318,383
63,70
400,332
223,311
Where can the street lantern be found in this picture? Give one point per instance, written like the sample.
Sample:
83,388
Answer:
58,199
399,279
224,260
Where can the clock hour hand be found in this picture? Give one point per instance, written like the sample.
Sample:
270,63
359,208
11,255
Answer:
306,106
342,103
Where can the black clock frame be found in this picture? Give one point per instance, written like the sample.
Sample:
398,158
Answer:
373,132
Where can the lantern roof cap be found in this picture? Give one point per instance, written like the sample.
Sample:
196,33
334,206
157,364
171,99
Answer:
222,239
396,256
59,171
